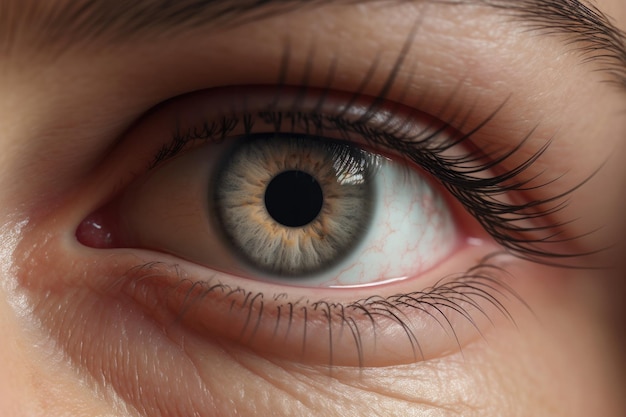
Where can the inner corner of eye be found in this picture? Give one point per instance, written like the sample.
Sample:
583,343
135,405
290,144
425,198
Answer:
101,230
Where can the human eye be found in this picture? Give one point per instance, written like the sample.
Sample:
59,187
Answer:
444,213
287,190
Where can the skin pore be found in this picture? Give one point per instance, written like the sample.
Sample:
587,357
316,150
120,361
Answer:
127,328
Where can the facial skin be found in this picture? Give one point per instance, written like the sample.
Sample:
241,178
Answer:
94,331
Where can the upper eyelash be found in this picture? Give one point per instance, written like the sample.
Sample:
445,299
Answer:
503,221
460,175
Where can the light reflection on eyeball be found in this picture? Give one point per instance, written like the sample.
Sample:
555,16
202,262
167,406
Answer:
231,207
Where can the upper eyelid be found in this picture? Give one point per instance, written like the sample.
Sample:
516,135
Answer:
378,117
458,105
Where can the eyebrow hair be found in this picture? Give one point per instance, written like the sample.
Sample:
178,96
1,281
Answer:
90,22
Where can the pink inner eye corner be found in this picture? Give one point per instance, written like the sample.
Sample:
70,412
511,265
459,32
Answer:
97,231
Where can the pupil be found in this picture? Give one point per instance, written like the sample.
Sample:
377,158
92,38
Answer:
294,198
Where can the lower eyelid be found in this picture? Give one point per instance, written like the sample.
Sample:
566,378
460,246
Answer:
377,330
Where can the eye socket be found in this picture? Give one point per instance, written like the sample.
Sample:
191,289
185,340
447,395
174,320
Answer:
270,310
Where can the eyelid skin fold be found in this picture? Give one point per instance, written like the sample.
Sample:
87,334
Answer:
213,115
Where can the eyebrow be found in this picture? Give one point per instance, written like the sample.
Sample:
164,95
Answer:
89,23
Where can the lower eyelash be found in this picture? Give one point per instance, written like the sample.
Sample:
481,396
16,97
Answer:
480,291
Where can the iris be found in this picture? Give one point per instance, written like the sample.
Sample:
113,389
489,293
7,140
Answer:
294,205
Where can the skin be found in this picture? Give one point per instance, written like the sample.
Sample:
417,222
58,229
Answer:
73,347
